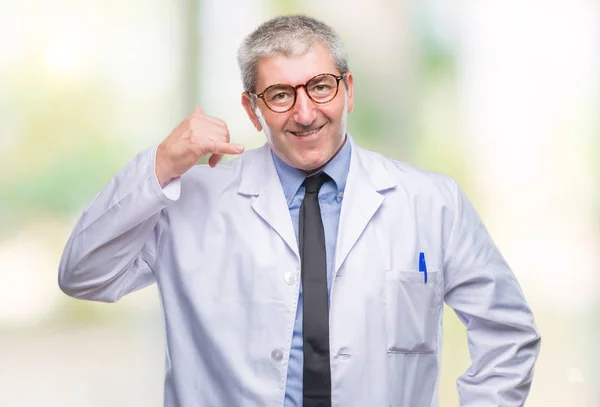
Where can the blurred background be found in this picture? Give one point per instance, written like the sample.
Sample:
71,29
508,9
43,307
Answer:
504,96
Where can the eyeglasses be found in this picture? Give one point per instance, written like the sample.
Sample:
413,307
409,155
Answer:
281,98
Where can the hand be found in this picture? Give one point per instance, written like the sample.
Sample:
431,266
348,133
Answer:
195,137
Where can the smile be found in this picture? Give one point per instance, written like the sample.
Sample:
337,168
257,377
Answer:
306,133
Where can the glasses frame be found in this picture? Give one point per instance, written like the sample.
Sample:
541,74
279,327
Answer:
337,78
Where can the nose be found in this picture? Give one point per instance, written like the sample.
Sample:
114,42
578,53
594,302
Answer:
304,112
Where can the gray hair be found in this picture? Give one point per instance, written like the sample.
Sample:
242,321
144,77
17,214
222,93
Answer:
288,36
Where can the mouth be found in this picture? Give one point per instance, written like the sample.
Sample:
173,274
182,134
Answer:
306,133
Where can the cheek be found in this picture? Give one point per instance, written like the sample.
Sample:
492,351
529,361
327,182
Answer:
276,124
335,113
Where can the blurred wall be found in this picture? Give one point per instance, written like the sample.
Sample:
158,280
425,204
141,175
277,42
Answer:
502,96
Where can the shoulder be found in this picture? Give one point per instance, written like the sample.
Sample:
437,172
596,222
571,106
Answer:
409,179
228,176
203,173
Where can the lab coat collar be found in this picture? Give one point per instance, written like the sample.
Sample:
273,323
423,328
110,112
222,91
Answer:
259,180
367,179
258,170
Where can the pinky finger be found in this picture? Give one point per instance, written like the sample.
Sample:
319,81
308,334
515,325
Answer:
220,147
214,160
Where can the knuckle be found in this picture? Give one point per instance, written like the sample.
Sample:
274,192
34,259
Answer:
195,137
223,132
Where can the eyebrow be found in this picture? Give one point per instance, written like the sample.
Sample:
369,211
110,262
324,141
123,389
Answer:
317,79
281,85
278,85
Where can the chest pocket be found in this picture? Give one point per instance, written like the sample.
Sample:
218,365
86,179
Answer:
412,311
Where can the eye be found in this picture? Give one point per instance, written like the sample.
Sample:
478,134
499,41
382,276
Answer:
321,89
280,96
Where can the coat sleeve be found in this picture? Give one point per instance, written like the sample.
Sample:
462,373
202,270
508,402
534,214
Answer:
113,246
483,291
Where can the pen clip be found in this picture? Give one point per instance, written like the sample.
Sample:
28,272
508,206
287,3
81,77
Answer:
423,266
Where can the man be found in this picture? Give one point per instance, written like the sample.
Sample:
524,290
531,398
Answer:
309,271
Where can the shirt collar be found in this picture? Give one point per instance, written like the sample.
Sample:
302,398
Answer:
291,178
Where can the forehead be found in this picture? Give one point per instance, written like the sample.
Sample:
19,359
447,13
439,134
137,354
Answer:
294,70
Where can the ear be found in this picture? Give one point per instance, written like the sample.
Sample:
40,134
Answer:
246,102
350,90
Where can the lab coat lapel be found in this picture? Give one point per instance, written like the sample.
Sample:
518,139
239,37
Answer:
367,177
259,180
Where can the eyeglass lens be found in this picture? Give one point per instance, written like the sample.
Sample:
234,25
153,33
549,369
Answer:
321,89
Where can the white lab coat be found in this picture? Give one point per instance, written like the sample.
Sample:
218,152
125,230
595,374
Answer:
221,246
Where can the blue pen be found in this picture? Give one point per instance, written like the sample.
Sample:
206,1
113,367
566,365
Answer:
423,266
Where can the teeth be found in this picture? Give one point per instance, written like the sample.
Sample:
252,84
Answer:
306,133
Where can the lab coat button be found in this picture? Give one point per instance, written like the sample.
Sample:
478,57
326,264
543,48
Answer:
290,277
344,353
277,355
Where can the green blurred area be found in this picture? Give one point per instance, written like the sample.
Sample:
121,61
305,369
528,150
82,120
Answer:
62,150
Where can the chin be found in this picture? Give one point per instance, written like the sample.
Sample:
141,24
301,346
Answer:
307,160
311,165
312,168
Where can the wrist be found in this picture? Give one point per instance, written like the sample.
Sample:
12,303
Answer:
161,170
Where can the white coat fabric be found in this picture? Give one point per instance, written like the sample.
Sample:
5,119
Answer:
221,246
